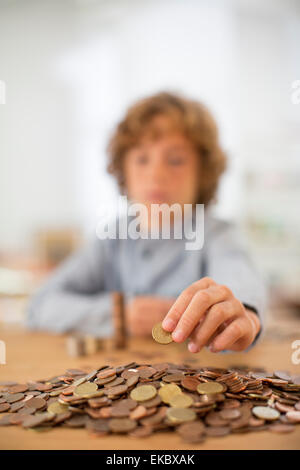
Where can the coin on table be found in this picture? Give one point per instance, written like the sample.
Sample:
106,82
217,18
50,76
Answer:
265,412
57,408
293,416
13,397
180,415
143,393
207,388
35,402
217,431
192,431
190,383
160,335
168,391
87,388
122,425
32,421
4,407
230,413
19,388
181,400
115,391
281,428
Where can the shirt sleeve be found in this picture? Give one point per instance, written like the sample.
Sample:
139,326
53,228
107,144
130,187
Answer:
228,263
74,296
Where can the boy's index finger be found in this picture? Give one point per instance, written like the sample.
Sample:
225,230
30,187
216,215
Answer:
182,302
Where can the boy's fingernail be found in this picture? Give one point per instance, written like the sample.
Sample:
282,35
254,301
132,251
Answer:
168,324
193,348
178,335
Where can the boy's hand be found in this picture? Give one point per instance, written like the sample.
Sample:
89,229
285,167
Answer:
142,312
208,313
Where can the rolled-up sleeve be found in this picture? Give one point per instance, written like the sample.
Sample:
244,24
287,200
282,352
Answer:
75,296
229,263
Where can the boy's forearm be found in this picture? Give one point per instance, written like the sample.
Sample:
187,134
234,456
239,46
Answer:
62,311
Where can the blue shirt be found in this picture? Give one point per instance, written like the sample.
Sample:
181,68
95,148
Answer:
77,295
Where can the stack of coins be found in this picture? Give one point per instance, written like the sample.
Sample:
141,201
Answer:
78,345
140,399
119,340
75,346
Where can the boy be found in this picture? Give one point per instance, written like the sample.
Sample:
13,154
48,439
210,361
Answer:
164,151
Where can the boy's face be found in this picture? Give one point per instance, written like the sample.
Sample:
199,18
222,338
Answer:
164,170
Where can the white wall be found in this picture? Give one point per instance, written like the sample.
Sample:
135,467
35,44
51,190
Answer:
72,67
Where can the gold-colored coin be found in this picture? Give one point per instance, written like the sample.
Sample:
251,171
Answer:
97,394
87,388
181,415
182,400
167,392
160,335
265,412
143,393
207,388
57,408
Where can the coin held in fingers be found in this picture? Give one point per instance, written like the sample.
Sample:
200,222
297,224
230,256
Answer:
160,335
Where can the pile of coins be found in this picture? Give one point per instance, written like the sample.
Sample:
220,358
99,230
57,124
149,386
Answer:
140,399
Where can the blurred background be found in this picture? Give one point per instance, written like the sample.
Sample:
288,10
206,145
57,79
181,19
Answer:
68,71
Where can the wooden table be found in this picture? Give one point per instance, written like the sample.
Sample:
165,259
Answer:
32,356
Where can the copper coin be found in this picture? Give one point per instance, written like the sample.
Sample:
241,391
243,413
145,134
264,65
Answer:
293,416
141,431
121,425
126,374
118,390
173,378
230,413
5,420
190,430
104,374
14,397
116,381
32,421
78,421
217,431
214,418
4,407
231,403
19,388
62,417
132,380
282,374
98,426
139,412
105,381
152,402
190,383
16,406
146,372
35,402
281,428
